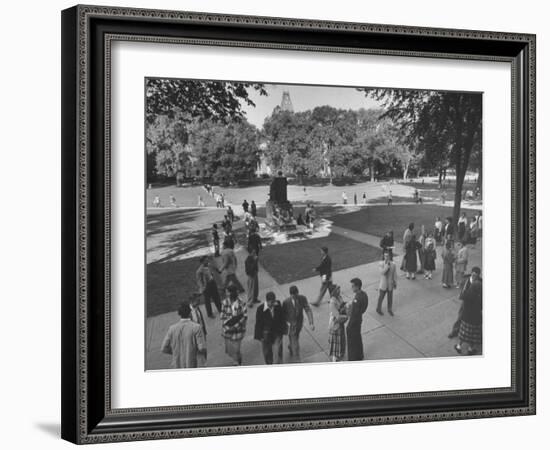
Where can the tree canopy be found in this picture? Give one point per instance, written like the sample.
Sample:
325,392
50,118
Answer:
445,126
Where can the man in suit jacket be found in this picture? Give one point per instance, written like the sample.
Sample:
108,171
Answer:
356,309
269,329
388,282
325,271
293,312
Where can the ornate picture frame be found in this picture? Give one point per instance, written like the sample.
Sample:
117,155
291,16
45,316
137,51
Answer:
87,35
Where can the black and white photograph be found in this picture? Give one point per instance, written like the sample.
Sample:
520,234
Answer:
293,223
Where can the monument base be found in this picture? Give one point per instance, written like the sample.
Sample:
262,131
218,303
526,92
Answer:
279,216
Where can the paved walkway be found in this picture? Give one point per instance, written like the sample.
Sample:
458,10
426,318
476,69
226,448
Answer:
424,312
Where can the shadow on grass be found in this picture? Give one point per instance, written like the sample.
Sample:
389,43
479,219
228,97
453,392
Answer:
377,220
162,222
296,260
170,283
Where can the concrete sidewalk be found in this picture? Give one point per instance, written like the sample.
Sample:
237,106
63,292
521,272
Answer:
424,313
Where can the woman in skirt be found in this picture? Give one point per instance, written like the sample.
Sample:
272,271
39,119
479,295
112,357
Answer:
410,257
471,323
449,257
337,319
429,256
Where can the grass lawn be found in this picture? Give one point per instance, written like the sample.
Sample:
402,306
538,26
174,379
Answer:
296,260
377,220
169,283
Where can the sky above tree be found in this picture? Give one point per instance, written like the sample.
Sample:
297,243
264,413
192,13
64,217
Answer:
303,98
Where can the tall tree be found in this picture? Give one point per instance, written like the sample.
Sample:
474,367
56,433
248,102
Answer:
227,152
172,105
448,121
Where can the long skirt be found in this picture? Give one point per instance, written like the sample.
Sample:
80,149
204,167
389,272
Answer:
470,333
337,342
447,277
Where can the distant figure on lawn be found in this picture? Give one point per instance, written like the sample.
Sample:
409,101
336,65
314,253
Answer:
207,285
184,340
245,206
270,328
253,209
355,310
251,269
218,201
199,202
337,319
344,198
229,267
325,271
156,202
293,312
355,198
173,201
222,200
448,255
234,318
364,198
390,198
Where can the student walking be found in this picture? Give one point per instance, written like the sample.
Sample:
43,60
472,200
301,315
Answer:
216,239
251,269
270,328
184,340
294,308
388,282
207,286
229,267
234,318
325,271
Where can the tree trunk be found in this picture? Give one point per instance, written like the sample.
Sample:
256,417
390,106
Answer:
406,171
479,179
371,169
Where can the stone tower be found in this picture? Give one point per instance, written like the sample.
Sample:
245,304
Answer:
286,103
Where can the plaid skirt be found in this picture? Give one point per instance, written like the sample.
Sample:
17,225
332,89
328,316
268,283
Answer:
470,333
337,342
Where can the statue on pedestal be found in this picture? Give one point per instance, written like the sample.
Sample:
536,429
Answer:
279,211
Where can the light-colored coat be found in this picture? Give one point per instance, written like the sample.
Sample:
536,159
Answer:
183,341
388,276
